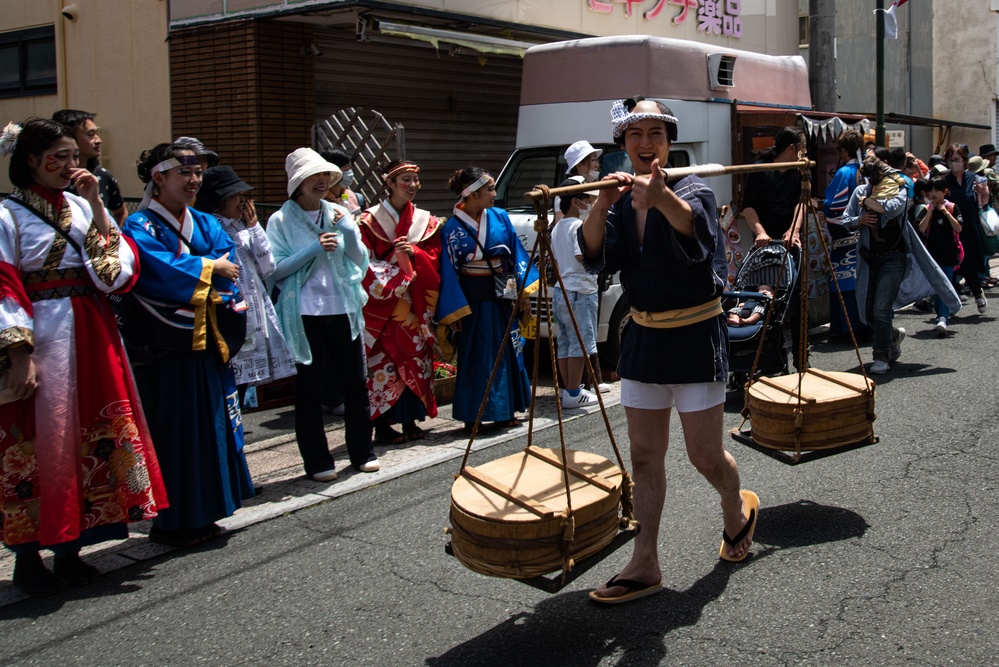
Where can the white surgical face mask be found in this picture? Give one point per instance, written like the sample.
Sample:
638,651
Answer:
593,175
584,211
348,178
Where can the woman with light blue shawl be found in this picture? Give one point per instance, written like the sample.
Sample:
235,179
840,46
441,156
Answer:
320,265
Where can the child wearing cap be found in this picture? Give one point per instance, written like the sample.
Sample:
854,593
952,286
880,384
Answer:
580,294
582,165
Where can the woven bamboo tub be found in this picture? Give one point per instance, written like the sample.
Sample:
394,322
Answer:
508,516
836,409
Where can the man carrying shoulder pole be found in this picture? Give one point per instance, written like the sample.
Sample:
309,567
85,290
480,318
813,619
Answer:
674,349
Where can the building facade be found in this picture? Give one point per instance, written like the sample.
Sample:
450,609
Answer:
250,77
943,66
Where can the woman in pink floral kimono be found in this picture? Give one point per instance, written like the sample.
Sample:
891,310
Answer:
403,284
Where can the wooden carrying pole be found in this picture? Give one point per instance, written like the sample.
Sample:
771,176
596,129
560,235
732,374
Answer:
710,169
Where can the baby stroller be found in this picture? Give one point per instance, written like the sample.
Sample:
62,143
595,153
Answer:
762,266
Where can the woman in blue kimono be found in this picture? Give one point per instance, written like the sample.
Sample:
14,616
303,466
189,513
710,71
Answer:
189,396
485,272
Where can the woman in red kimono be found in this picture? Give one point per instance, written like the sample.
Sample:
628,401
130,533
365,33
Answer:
403,284
76,460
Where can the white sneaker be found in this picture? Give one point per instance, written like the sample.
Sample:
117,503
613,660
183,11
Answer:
941,326
981,303
581,400
370,466
879,367
603,387
324,476
895,351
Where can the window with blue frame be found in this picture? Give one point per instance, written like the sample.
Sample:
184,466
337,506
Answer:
28,62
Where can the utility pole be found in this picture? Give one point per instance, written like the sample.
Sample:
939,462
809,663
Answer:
879,16
821,54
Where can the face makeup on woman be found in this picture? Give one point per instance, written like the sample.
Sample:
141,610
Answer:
81,474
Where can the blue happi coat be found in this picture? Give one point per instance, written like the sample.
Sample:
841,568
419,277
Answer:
483,316
190,397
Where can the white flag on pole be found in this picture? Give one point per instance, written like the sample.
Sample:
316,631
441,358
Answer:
891,24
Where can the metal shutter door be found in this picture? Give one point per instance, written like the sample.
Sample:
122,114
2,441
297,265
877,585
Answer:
456,111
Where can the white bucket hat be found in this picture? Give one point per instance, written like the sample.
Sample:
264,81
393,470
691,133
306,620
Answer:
304,162
578,152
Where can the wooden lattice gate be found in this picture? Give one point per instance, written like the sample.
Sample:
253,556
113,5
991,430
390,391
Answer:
369,137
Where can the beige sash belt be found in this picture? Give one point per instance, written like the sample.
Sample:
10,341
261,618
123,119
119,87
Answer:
481,267
681,317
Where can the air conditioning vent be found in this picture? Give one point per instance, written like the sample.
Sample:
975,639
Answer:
721,71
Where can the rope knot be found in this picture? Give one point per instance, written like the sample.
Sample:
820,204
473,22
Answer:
541,208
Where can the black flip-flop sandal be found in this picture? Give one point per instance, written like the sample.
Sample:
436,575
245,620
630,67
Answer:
636,590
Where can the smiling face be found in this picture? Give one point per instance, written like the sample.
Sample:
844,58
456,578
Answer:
232,207
403,187
317,185
484,197
645,141
53,167
177,187
88,138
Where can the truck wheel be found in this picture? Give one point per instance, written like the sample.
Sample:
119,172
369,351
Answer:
610,350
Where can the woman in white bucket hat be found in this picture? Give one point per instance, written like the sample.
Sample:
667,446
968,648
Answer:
320,265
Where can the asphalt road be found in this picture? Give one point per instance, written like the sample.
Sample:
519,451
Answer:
881,556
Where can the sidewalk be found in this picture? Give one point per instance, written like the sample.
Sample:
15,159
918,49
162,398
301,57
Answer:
275,465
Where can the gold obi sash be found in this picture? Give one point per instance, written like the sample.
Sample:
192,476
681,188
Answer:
482,267
681,317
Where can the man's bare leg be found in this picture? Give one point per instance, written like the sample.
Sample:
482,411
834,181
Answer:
648,432
702,431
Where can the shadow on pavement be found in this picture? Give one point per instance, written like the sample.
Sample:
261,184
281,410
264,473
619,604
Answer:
122,581
806,523
909,370
570,630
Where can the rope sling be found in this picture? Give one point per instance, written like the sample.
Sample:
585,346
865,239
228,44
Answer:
832,412
526,552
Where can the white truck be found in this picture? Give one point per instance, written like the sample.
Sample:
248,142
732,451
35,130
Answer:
729,104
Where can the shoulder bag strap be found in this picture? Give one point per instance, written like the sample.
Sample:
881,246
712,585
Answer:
48,221
153,215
